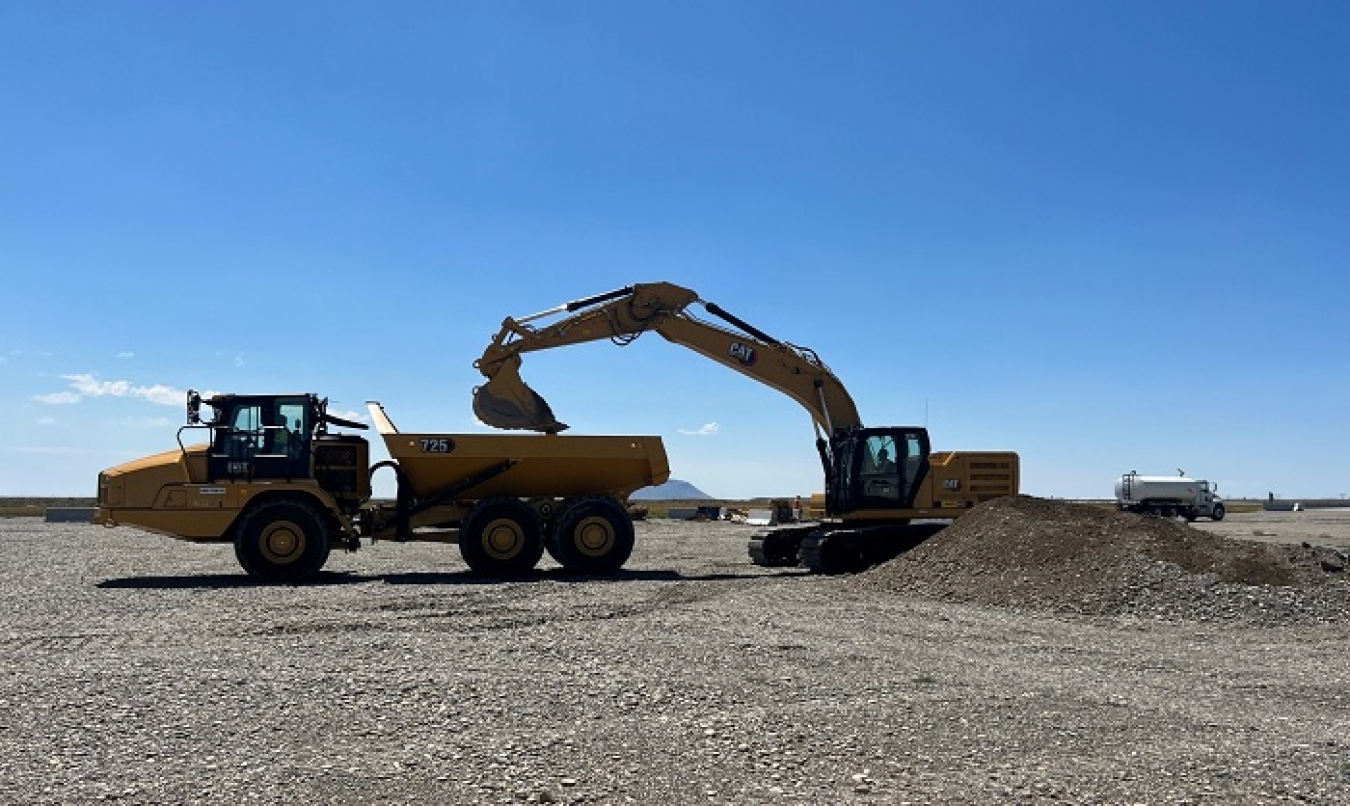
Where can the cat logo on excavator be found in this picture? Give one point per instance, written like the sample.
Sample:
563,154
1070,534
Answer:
743,353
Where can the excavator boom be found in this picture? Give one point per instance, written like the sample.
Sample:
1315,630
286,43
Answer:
506,401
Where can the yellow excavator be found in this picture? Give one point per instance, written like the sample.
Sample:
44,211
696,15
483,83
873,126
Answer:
880,482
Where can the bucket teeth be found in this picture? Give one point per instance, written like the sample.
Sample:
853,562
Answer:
503,404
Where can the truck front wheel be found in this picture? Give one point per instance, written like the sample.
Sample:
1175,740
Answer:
282,542
501,537
594,536
1217,513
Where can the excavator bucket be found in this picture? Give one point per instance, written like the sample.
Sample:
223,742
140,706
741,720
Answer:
506,401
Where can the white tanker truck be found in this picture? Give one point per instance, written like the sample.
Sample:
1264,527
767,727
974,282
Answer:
1169,496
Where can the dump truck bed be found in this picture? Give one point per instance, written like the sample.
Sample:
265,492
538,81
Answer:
539,465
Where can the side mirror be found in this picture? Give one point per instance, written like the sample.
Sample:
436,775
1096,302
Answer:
194,407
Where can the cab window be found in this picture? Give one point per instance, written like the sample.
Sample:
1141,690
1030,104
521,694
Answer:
246,427
879,472
879,456
890,467
284,426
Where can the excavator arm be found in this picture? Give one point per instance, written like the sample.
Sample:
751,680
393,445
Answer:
505,401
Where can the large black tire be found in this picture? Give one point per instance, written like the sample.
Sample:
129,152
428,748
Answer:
594,535
283,542
501,537
1218,513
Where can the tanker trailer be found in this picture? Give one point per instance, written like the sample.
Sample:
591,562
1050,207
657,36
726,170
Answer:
1169,496
271,478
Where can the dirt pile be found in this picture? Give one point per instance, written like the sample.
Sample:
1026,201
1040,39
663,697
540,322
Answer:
1031,552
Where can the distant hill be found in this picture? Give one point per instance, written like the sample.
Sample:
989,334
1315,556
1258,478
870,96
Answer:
673,490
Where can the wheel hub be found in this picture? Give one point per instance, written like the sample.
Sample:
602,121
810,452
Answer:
283,542
502,539
594,537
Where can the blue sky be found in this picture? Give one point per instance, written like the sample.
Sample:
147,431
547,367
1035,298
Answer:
1109,236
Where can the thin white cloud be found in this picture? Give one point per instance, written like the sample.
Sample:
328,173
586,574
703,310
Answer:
126,354
164,395
58,398
85,385
46,421
89,386
238,357
705,430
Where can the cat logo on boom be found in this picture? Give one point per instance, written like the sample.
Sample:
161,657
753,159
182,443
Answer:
743,353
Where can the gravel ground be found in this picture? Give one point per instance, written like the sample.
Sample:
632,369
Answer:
1319,527
1020,551
141,669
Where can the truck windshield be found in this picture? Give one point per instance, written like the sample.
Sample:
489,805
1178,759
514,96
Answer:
262,438
245,426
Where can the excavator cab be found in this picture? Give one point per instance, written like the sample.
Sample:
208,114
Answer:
878,468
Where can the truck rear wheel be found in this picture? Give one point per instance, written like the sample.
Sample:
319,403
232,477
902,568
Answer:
594,535
282,542
501,537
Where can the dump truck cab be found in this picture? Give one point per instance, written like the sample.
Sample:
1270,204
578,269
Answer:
262,436
284,437
266,474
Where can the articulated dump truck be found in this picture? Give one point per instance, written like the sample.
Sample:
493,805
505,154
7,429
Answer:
271,478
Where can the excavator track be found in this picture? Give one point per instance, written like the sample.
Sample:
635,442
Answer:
851,550
778,548
833,552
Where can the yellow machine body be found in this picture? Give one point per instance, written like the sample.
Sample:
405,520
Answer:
274,481
955,482
539,465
